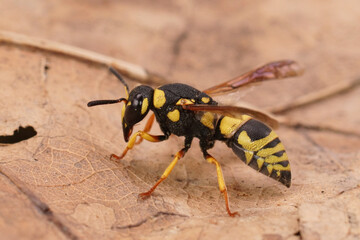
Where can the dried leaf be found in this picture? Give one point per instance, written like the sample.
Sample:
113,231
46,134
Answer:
61,184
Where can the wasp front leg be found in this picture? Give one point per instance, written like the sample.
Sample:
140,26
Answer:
171,166
132,141
148,126
166,173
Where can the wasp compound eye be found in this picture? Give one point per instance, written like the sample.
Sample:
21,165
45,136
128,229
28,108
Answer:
133,111
137,101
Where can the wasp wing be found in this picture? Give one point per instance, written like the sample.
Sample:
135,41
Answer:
234,112
273,70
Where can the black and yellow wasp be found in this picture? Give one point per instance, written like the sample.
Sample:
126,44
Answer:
185,111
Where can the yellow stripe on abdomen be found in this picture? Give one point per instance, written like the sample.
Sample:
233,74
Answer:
228,125
207,119
260,148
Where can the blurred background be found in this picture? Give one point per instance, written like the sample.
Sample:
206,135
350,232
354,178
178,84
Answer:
203,43
207,42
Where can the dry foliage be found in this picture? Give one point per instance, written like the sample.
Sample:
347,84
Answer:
61,184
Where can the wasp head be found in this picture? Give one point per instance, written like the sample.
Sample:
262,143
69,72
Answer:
136,108
137,105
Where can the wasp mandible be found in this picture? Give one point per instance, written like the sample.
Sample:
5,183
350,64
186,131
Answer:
185,111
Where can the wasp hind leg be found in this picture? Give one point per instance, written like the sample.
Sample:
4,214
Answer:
221,181
132,142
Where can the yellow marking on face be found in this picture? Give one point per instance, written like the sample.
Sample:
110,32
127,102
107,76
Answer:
269,151
260,162
159,98
123,111
144,106
274,159
184,101
205,99
129,103
174,115
248,156
192,100
127,94
246,142
228,126
208,120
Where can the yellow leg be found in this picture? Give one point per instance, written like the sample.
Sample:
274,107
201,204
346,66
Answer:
132,141
166,173
148,126
221,182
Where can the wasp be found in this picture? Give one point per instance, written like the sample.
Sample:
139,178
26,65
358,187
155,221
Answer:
185,111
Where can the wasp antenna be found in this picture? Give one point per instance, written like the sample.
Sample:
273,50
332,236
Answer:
102,102
117,74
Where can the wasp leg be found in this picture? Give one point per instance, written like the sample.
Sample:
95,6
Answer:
168,170
148,126
221,182
166,173
144,135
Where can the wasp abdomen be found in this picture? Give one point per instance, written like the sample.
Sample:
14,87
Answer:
259,147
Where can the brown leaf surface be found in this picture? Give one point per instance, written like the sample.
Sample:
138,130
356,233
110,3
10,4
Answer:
61,183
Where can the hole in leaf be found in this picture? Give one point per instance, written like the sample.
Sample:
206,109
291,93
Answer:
19,135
